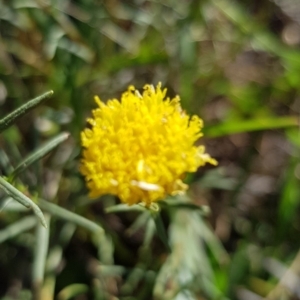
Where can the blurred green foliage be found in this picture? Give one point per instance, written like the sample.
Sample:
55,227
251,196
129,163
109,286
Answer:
234,63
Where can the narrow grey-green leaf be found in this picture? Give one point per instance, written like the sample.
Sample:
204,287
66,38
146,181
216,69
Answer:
41,251
181,204
40,152
124,208
21,198
20,111
16,228
67,215
149,233
139,223
161,230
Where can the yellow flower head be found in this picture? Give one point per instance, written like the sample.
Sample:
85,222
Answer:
141,147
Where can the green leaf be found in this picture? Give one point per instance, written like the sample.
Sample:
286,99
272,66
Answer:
189,240
179,203
149,233
41,251
40,152
161,230
16,228
21,198
234,127
124,208
67,215
289,200
22,110
72,291
141,220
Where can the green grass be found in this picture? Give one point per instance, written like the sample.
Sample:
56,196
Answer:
234,63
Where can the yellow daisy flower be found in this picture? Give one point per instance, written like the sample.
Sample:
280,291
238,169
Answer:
141,147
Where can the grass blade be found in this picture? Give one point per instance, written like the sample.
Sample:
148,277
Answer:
22,110
250,125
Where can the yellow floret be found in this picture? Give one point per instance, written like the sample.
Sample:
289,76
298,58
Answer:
141,147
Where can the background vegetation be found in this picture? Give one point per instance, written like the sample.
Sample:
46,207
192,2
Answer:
234,63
